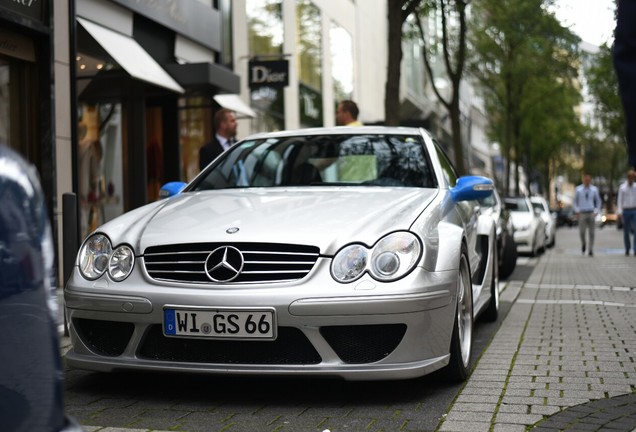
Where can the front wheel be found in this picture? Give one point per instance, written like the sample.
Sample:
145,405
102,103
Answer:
508,258
462,338
492,311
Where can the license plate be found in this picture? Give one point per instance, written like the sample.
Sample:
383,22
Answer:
220,323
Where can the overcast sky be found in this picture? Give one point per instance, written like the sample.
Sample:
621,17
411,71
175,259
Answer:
592,20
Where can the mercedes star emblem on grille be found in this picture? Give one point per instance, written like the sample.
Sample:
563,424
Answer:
224,264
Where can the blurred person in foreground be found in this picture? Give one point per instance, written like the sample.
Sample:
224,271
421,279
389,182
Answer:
627,209
624,57
224,137
31,377
347,114
587,204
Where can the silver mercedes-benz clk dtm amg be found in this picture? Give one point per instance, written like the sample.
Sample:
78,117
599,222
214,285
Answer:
350,252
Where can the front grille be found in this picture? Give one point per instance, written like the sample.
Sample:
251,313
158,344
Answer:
263,262
363,343
107,338
291,347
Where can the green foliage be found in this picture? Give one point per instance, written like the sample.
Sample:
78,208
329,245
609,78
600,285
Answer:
526,63
603,86
605,147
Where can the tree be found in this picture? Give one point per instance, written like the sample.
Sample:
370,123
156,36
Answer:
607,152
526,64
398,12
452,42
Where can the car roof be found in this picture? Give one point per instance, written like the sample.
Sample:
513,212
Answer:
343,130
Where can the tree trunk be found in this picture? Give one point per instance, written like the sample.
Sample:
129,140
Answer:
456,127
392,87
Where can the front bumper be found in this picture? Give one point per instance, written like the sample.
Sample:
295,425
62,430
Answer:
525,241
360,331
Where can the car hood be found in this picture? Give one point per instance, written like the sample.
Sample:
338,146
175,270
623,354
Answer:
326,217
521,219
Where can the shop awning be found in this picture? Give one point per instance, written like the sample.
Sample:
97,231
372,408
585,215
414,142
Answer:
234,103
130,56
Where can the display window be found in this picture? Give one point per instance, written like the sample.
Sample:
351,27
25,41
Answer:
100,160
19,127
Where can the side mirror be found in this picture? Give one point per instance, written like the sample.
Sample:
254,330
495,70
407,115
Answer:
171,189
469,188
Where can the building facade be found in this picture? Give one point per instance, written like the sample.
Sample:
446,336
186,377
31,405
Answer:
115,97
327,45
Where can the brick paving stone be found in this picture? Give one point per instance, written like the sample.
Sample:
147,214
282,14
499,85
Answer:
503,427
477,407
463,426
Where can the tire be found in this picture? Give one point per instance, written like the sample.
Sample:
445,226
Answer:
533,249
508,258
462,338
492,311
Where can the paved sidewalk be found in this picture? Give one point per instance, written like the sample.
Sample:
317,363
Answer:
565,356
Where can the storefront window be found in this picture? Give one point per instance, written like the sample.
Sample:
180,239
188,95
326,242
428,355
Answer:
310,62
18,107
195,129
154,152
341,47
265,27
100,159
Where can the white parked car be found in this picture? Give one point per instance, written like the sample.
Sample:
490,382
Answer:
349,252
529,226
548,217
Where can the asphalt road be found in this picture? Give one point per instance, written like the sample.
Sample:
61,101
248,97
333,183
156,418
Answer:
161,402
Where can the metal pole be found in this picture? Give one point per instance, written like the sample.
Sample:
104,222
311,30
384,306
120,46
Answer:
70,240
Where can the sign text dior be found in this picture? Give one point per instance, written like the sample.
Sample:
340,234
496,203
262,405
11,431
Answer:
269,74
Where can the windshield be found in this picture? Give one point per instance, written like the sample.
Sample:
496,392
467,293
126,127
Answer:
517,205
352,160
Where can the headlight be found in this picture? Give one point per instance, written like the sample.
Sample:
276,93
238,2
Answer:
350,263
94,256
121,263
97,256
392,257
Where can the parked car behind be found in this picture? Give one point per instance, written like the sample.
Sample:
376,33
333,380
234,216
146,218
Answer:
539,203
566,217
349,252
529,226
611,218
31,382
506,246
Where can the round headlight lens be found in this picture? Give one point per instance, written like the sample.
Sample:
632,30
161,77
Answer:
350,263
395,255
387,263
94,256
121,263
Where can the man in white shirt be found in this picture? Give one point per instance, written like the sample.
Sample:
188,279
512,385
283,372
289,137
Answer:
587,204
627,209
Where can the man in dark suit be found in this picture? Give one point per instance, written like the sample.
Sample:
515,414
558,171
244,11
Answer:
225,131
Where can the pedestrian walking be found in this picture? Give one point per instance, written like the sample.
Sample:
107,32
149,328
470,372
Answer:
627,209
225,133
587,204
